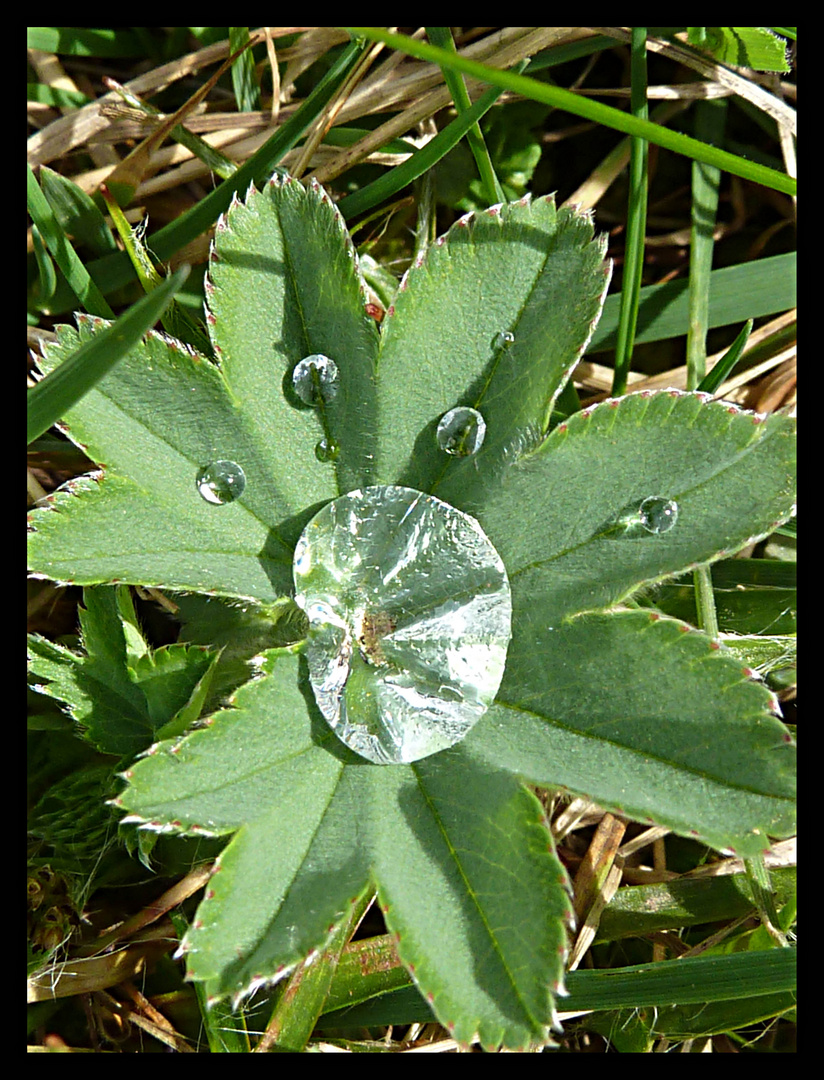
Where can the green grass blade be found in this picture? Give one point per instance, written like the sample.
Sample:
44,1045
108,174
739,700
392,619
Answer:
48,275
64,254
585,108
64,387
442,37
636,217
244,80
425,158
695,980
713,379
737,293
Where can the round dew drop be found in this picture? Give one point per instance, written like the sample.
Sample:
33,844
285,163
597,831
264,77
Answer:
221,482
658,515
327,450
461,431
504,340
316,379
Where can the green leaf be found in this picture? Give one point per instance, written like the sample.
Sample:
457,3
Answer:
646,716
454,842
261,770
144,521
754,47
76,212
524,269
86,365
289,249
731,474
121,697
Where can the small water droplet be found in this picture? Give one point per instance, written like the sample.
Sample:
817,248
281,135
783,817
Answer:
221,482
316,379
461,431
504,340
658,515
327,450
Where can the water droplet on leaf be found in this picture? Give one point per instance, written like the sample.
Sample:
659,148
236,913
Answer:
658,515
221,482
316,379
461,431
327,450
409,612
504,339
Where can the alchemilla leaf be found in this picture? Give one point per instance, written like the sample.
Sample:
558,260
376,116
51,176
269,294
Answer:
439,571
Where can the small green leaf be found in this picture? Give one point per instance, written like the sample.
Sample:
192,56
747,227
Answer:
645,716
120,693
754,47
145,521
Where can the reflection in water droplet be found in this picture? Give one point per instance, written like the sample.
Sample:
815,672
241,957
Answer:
504,339
409,614
327,450
658,515
461,431
221,482
315,379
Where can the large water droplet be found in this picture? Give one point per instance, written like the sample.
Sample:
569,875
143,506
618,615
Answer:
461,431
504,339
221,482
327,450
316,379
409,614
657,515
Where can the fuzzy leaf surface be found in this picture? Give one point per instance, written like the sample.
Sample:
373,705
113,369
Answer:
648,717
732,475
284,286
470,884
526,269
261,770
145,522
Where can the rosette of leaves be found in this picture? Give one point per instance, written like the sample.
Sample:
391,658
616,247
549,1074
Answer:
642,713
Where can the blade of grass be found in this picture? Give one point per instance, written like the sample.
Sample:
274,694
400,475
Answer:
64,386
713,379
586,108
694,980
209,155
763,287
244,79
710,117
425,158
636,217
48,276
75,273
301,1001
442,37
